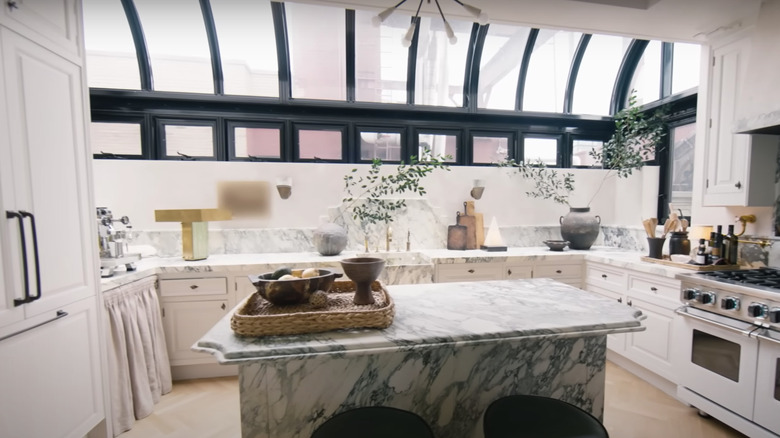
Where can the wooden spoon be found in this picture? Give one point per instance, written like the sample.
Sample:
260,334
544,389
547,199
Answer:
684,223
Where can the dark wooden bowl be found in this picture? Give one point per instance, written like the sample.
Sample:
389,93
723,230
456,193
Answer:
363,271
556,245
297,291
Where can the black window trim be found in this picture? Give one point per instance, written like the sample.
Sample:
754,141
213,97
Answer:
343,128
140,119
510,135
232,124
536,134
214,123
385,129
458,158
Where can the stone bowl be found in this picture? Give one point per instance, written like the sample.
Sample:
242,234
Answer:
556,245
363,271
297,291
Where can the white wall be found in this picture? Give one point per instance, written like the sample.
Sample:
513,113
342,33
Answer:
136,188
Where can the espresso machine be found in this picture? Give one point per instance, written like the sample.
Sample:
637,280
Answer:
113,243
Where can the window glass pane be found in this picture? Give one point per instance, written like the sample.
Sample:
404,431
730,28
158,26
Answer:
193,141
383,145
111,59
683,140
596,77
499,68
247,46
548,70
318,44
647,77
490,149
115,138
544,149
439,146
581,152
325,145
441,66
685,66
257,142
177,43
380,59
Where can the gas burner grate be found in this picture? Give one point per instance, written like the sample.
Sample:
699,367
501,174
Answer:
764,278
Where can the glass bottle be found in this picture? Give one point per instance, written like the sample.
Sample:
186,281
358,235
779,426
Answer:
701,253
733,246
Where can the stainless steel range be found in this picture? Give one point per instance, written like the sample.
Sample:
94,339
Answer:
730,341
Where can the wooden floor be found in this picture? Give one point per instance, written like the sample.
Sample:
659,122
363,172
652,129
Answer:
209,408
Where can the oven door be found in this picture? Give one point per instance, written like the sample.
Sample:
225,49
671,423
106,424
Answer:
767,410
719,359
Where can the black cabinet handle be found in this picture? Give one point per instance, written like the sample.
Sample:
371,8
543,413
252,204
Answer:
223,306
558,271
12,4
26,299
630,303
508,272
738,185
194,286
59,315
35,253
603,275
654,289
471,271
620,300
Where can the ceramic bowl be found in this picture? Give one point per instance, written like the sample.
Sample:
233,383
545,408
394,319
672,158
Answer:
297,291
556,245
363,271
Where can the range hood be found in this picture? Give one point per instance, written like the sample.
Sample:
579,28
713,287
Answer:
766,123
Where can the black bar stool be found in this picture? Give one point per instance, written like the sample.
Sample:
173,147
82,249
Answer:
530,416
374,422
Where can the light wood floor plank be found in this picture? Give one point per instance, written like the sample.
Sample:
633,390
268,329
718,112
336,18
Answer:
209,408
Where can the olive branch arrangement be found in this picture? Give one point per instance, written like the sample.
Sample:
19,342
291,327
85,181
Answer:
548,183
366,194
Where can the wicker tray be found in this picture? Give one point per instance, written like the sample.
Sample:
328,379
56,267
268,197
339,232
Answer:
258,317
700,268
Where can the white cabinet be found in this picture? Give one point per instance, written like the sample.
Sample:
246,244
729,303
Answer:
190,308
53,24
739,166
657,298
569,272
447,273
50,345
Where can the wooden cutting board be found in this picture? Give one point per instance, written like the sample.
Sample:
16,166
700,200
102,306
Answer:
470,222
479,223
456,237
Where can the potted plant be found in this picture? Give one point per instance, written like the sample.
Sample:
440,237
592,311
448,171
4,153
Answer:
634,141
367,199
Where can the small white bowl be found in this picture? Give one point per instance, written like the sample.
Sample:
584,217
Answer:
680,258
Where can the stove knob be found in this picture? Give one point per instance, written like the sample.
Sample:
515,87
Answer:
757,310
729,303
690,294
706,298
774,315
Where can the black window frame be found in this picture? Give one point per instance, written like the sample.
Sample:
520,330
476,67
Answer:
459,157
511,137
146,139
231,124
388,129
559,149
161,122
309,126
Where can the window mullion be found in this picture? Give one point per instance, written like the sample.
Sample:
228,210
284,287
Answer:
411,69
574,69
216,59
473,60
625,73
282,51
350,24
141,49
667,56
521,77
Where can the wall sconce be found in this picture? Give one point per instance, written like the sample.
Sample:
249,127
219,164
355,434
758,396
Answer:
284,186
478,189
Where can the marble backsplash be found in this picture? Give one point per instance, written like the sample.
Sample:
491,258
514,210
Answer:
419,223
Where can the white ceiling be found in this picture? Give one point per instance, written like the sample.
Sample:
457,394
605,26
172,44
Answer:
669,20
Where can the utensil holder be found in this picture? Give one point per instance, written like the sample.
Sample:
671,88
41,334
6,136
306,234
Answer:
679,243
655,246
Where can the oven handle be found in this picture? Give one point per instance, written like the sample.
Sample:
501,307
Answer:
764,337
683,311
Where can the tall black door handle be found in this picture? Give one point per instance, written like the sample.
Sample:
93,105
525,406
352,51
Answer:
26,299
35,254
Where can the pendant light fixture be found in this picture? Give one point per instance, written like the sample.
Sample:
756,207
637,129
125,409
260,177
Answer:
480,16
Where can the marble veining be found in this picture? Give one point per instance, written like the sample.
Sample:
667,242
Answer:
449,313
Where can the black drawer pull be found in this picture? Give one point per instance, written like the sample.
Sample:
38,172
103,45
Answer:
654,289
630,303
508,272
12,4
558,271
620,300
471,271
194,286
58,315
222,306
603,275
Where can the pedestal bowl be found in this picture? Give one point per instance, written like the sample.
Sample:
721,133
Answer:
556,245
363,271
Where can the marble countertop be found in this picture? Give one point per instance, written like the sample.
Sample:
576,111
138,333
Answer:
241,263
445,313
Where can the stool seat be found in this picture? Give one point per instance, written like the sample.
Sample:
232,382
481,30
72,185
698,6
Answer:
529,416
374,422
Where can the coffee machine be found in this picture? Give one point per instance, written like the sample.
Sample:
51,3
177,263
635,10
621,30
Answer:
113,243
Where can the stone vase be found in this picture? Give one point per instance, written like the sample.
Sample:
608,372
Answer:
330,239
580,227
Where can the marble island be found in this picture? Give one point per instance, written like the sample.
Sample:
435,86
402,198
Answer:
452,349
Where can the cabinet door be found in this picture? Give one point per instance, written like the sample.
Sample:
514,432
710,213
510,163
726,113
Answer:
45,113
54,24
652,348
50,377
517,271
615,342
184,323
243,288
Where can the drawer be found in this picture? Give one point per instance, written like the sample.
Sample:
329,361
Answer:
607,277
670,290
469,272
193,286
558,271
514,272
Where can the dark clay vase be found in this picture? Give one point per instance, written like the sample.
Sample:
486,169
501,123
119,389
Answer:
363,271
580,227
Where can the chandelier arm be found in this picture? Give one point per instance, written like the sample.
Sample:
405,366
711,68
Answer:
440,11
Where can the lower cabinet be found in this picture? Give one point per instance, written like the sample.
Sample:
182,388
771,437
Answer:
448,273
657,298
184,323
569,272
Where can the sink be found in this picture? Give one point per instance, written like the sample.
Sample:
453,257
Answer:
399,258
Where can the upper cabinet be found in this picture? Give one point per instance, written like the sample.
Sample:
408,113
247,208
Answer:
52,24
740,167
